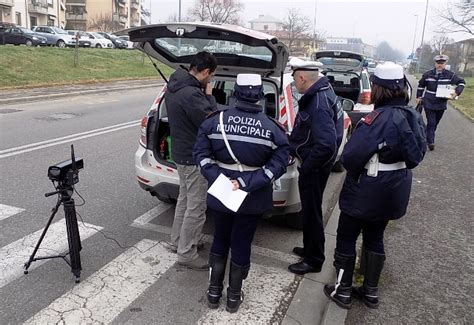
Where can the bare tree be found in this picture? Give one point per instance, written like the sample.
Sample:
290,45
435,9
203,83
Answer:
217,11
457,17
298,28
439,43
104,23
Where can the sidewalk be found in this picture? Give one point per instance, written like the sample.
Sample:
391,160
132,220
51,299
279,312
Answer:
21,95
310,305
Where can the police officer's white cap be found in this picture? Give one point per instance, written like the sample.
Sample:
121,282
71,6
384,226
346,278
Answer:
298,64
441,57
249,79
389,71
389,75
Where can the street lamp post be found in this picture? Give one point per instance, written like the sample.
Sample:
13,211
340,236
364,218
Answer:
179,11
414,38
422,38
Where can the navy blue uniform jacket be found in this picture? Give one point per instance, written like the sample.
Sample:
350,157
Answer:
430,80
397,133
319,127
256,141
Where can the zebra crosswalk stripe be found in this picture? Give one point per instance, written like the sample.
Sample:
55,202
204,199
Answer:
7,211
14,255
102,296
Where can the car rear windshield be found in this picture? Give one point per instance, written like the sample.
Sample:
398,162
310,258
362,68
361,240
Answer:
189,46
348,62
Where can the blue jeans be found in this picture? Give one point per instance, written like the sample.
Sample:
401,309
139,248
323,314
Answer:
433,117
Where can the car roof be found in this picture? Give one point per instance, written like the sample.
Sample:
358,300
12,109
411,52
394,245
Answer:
236,48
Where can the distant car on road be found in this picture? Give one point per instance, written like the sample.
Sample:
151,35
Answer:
371,67
55,35
21,35
349,79
118,42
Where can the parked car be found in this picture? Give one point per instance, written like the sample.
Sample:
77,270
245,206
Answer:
21,35
126,38
262,53
371,67
349,79
99,41
118,42
83,38
55,36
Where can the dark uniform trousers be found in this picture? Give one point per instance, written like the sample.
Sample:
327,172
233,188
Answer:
432,117
349,229
311,187
234,231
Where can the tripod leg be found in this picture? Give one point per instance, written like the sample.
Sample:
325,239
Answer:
32,257
73,238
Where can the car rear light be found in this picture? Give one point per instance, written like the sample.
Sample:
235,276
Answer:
143,128
364,98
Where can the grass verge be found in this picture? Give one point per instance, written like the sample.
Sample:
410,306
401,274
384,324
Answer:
22,66
465,102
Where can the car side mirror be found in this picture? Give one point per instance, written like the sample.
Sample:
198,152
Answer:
347,105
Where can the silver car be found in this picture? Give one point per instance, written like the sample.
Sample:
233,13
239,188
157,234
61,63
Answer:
55,36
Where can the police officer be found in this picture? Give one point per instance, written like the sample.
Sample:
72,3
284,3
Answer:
257,153
379,156
314,141
434,104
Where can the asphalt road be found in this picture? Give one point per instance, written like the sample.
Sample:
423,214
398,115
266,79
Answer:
127,276
428,274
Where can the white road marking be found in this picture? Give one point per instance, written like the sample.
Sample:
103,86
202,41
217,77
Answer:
73,137
264,290
7,211
15,255
143,222
102,296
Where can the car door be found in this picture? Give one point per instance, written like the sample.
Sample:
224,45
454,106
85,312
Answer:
16,36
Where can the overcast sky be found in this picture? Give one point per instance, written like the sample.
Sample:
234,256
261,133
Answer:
373,21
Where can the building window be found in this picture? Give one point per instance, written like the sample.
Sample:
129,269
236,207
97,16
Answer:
33,21
50,3
18,18
50,22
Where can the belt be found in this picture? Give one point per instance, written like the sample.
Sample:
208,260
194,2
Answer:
236,167
389,167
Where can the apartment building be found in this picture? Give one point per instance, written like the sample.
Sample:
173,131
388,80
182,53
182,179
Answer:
72,14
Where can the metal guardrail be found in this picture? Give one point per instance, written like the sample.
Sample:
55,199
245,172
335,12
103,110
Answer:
76,2
76,17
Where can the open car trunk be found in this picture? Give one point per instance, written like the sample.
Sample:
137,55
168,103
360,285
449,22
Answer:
345,84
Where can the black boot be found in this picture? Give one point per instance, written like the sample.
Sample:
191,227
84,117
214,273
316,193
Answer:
340,293
235,296
217,264
368,293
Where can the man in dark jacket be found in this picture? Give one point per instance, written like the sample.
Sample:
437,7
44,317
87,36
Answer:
434,101
314,141
189,100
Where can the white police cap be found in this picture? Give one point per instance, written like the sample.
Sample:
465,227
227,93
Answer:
441,57
298,64
389,75
249,79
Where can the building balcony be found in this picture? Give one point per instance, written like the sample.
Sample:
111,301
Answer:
123,19
76,17
8,3
38,7
134,4
78,3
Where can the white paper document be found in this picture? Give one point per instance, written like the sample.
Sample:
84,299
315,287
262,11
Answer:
221,189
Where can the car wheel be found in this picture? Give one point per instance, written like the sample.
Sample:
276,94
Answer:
28,42
61,43
98,46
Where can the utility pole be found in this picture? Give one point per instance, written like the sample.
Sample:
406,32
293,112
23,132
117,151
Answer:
414,38
314,27
422,38
179,11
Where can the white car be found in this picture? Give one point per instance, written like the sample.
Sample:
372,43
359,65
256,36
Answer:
127,39
99,41
264,54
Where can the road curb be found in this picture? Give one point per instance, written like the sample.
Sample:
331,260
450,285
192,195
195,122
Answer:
62,94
